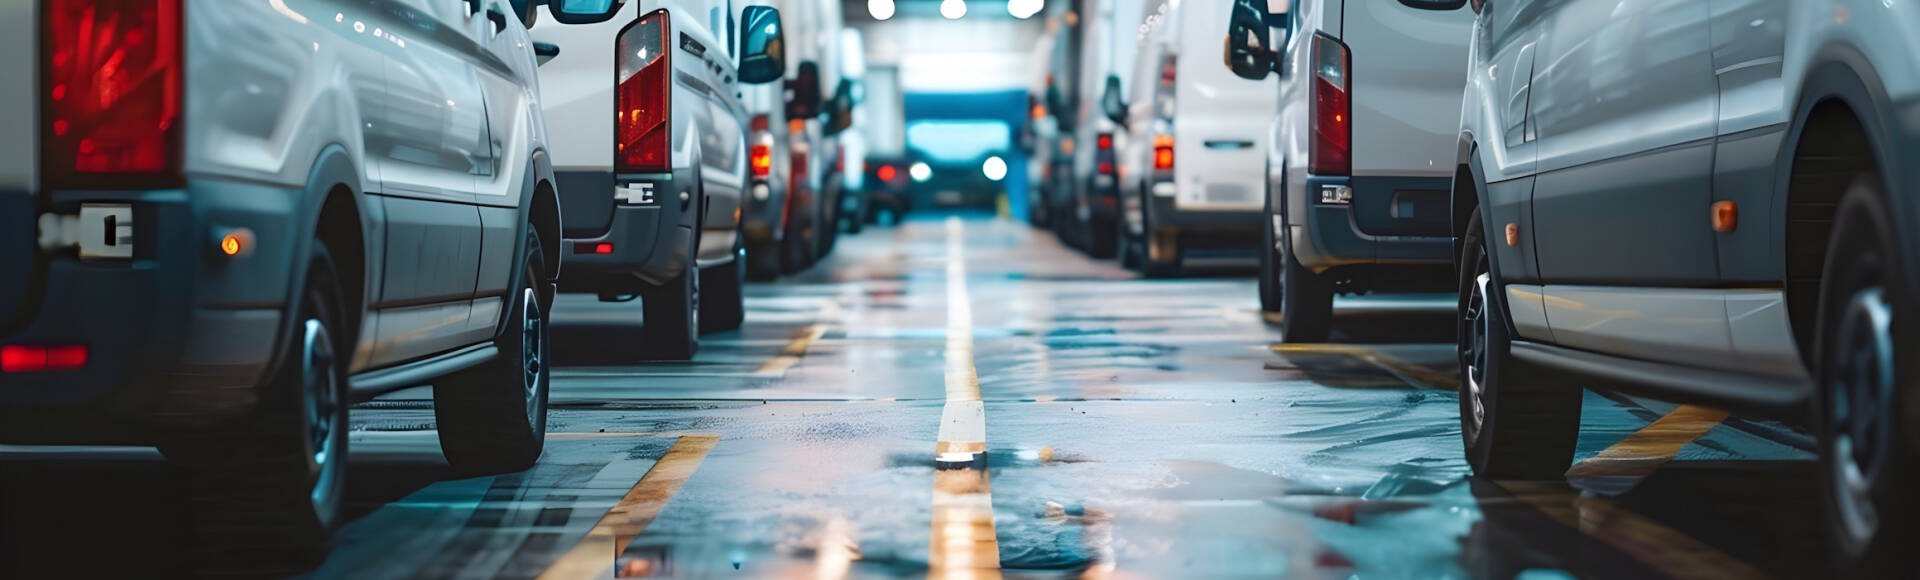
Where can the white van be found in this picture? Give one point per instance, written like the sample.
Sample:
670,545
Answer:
653,162
1190,160
1369,115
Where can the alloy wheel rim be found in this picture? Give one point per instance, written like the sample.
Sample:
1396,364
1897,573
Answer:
1860,383
319,378
533,362
1474,355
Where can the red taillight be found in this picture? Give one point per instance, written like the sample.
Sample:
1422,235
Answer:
761,160
113,80
1106,168
1331,152
759,123
1105,142
603,249
887,173
1163,152
34,359
643,103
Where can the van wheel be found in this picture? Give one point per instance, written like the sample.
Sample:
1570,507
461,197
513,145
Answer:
493,417
1269,264
1306,300
267,490
671,330
797,248
724,303
1866,388
1517,424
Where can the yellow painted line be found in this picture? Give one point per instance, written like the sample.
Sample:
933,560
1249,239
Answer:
1673,553
964,543
794,351
1652,446
1413,374
599,552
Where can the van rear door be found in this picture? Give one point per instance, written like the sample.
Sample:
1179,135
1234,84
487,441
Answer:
1220,121
19,139
1409,72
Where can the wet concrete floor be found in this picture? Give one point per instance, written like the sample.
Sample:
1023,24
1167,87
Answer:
1130,429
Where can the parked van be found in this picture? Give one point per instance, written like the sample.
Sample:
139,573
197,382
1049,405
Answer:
1192,145
655,161
1707,202
814,182
1369,94
234,244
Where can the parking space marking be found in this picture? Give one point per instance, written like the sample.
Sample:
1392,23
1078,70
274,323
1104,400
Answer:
1654,445
964,543
796,349
597,554
1672,552
1412,374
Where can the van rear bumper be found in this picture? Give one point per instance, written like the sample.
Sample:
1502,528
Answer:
1387,222
649,239
178,337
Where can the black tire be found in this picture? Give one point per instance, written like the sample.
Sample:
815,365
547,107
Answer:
267,490
1269,263
828,231
1867,384
1103,237
763,261
671,329
1515,422
492,417
723,302
1306,300
796,255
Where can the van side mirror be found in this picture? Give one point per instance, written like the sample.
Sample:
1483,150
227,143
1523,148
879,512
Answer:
763,50
544,52
1111,103
584,11
803,92
1247,53
840,115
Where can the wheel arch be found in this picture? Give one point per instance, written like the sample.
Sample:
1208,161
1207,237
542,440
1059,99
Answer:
1840,125
335,212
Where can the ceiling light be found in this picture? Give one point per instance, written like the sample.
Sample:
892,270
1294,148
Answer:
880,9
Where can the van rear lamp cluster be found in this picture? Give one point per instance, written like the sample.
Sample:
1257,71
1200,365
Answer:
36,359
601,248
1336,195
1163,152
114,93
643,96
1330,151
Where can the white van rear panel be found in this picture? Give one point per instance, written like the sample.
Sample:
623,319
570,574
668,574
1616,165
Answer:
1409,73
19,125
1220,135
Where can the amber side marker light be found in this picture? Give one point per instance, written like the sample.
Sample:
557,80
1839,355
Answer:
1726,216
1513,235
236,243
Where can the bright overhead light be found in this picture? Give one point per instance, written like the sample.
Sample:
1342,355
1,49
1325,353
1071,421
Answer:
920,172
953,9
1024,9
996,168
880,9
